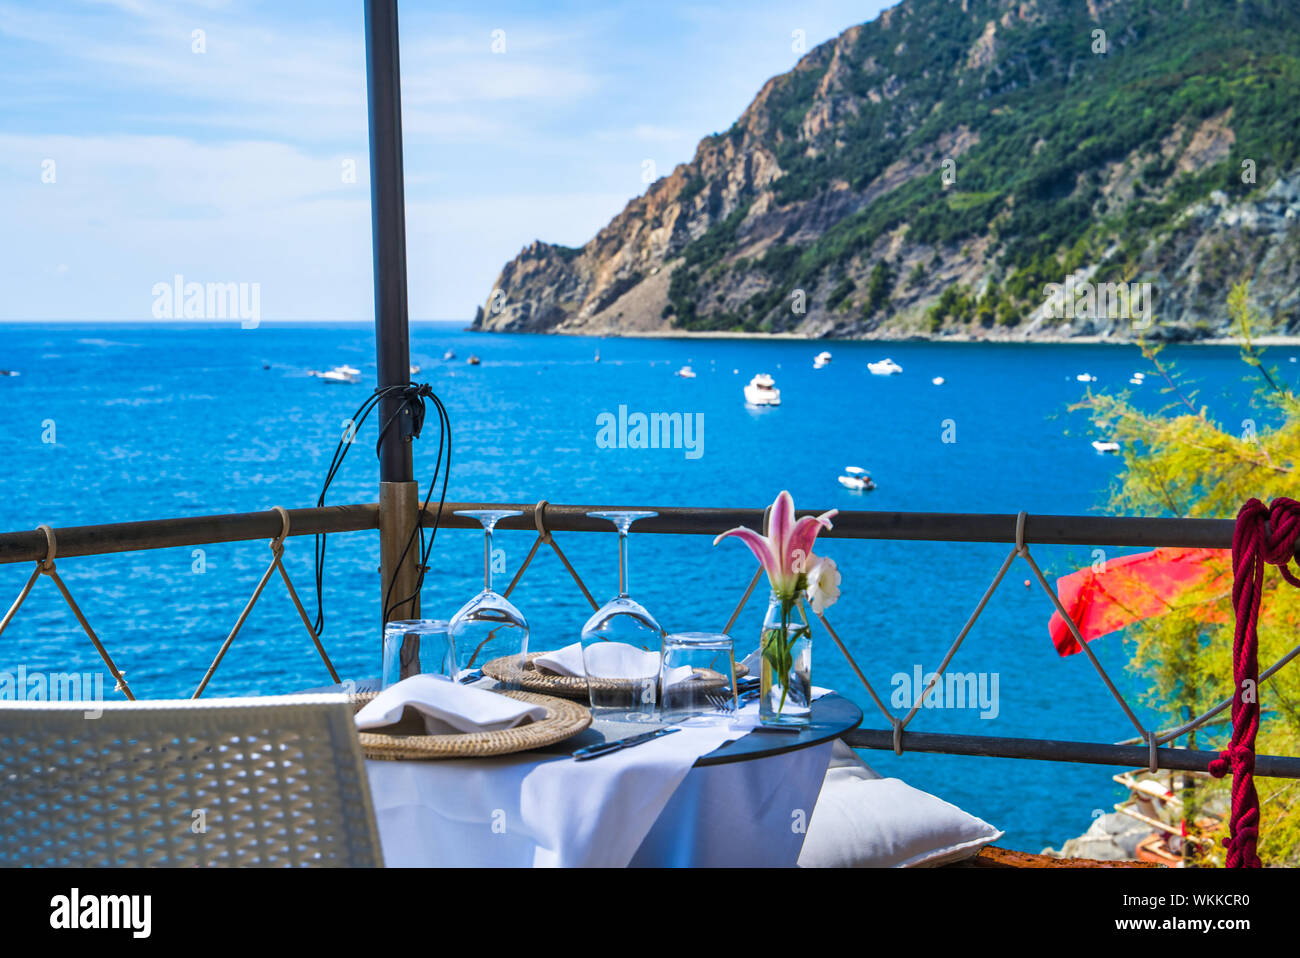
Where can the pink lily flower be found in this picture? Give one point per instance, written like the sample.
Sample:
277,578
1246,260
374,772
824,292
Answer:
785,551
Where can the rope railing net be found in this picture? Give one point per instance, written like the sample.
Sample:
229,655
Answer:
45,566
1153,738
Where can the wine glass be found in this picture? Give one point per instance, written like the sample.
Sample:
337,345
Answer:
488,626
622,643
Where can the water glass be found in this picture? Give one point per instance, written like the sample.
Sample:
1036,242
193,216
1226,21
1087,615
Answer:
622,678
416,646
698,676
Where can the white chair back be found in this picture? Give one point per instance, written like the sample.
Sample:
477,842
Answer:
276,781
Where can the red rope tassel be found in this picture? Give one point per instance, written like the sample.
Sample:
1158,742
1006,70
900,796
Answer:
1253,546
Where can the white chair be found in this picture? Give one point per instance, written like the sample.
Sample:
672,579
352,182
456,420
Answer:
259,781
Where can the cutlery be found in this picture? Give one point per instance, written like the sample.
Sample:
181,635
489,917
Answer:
594,751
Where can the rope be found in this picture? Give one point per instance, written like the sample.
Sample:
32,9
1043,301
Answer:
277,553
744,599
45,566
1021,549
1253,546
544,536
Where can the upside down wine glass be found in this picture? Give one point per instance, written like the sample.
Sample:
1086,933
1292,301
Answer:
622,644
488,626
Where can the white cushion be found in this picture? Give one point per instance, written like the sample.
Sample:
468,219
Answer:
864,821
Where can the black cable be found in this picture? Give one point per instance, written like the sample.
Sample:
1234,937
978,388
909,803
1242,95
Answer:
413,397
444,424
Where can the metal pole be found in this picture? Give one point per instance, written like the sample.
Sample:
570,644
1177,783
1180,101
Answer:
398,493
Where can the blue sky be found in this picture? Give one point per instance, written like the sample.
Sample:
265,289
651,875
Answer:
227,165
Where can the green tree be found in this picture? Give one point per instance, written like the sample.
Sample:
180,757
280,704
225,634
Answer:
1178,461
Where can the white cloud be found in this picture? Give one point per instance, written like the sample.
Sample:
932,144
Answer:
127,212
226,165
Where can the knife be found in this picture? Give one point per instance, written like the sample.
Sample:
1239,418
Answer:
604,748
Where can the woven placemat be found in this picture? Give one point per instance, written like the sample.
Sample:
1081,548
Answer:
564,719
507,671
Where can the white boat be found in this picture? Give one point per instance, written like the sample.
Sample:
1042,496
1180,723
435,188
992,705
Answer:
346,375
886,367
1105,447
686,372
937,380
9,372
762,391
415,370
1086,378
449,354
857,479
821,360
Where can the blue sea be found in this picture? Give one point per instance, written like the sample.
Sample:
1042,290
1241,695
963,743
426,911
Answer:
117,422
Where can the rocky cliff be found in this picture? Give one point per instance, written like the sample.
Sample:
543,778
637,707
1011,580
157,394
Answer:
934,172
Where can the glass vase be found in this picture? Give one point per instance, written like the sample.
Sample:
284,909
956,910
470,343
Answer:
786,664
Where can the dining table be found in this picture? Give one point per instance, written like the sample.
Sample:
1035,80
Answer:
730,793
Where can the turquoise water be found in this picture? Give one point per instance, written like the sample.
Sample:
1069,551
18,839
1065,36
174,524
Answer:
157,421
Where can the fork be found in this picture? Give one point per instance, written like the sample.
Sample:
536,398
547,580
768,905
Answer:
723,703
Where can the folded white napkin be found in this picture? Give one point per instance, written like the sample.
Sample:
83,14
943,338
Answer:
614,660
565,661
447,707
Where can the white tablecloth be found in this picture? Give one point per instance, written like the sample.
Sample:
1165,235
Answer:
642,806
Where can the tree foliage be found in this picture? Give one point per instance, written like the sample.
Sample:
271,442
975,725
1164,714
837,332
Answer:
1179,461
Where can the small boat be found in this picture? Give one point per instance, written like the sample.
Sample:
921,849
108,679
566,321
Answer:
821,360
1105,447
937,380
597,359
345,375
9,372
449,354
886,367
1137,379
857,479
686,372
415,370
1086,378
474,360
762,391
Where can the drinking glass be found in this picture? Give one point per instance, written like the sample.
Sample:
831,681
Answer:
698,676
618,679
488,626
415,646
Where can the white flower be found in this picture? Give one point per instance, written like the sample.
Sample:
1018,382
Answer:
823,583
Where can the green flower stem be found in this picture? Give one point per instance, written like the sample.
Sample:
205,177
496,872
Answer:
778,645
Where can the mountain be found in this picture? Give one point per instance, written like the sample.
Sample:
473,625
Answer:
930,173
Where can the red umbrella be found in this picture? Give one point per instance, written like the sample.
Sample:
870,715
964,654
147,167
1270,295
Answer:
1135,587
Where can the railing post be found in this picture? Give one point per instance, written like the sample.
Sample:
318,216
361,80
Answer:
398,493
